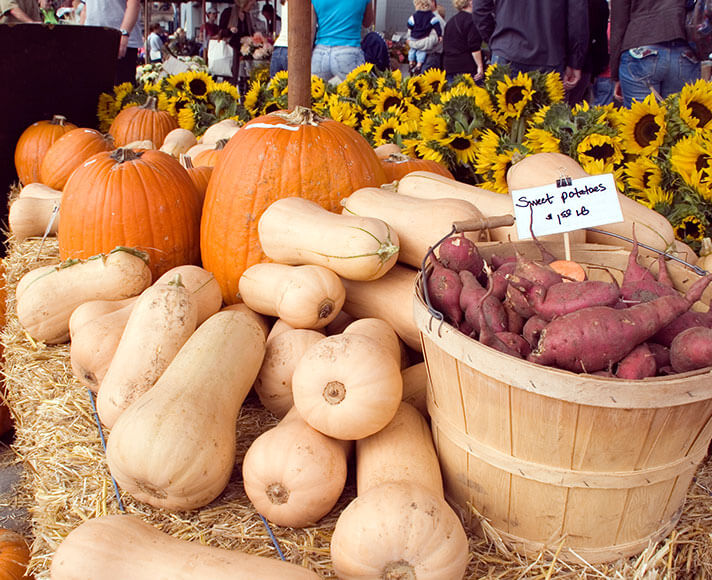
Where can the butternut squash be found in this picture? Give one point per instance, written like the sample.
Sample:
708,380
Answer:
201,284
389,298
221,130
380,331
293,474
273,385
123,547
347,386
386,150
174,447
89,311
178,141
94,343
303,296
419,223
140,144
415,387
294,231
33,216
47,300
162,320
399,525
256,316
39,190
339,323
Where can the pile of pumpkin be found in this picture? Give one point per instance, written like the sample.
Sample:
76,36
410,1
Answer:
291,271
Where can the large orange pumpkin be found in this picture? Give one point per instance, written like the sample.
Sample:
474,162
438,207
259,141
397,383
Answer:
140,123
33,144
69,152
274,156
397,165
14,556
141,199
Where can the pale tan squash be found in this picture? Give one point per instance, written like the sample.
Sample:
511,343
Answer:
399,526
94,343
415,387
162,320
124,547
199,148
174,447
40,190
386,150
382,332
283,351
389,298
685,252
303,296
33,217
347,386
293,474
540,169
141,144
178,141
202,285
90,311
337,325
261,320
221,130
294,230
48,299
420,223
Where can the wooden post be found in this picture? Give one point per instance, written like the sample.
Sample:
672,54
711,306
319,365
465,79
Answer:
299,53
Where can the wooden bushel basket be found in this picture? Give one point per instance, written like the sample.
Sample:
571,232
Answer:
596,467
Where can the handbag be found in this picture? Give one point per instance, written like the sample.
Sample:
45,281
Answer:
698,27
220,57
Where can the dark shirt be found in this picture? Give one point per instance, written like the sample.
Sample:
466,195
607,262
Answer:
597,58
551,33
640,22
460,40
422,22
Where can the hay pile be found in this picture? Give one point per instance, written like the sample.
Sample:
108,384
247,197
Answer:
66,480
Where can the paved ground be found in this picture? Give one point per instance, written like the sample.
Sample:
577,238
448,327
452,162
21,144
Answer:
11,517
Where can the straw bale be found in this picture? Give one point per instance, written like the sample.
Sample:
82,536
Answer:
66,480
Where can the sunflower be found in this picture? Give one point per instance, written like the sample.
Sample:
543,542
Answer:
387,99
253,97
432,123
433,79
432,151
689,157
554,87
643,126
186,118
278,84
163,102
227,88
318,88
344,112
385,130
541,141
642,174
689,229
513,95
177,82
106,111
364,69
656,199
601,148
463,145
198,84
696,105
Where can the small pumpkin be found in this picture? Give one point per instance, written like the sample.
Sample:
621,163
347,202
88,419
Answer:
144,122
397,165
200,176
178,141
33,144
209,157
69,152
14,556
224,129
139,199
274,156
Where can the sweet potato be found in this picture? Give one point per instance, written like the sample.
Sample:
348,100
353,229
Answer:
637,364
687,320
596,337
460,253
661,354
639,284
515,342
473,299
691,349
569,269
444,287
499,281
532,329
487,336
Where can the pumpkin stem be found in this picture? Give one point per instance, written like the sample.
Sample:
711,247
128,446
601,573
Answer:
186,161
397,158
277,493
517,156
301,116
151,103
58,120
326,308
123,154
334,392
220,144
400,570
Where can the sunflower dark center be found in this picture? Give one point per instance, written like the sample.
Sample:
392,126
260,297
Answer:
647,177
198,87
689,229
604,151
272,107
514,95
646,130
701,113
460,143
702,162
388,133
391,102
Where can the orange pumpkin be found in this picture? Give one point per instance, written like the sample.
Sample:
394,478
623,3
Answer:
209,157
274,156
145,122
14,556
140,199
200,176
69,152
397,165
33,144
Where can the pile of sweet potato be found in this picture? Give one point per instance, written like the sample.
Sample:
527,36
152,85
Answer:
642,327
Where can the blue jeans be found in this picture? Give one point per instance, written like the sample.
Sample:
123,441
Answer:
335,61
278,62
525,68
603,91
664,67
417,55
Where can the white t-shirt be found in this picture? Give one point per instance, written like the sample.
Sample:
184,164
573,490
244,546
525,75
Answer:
110,13
281,40
155,44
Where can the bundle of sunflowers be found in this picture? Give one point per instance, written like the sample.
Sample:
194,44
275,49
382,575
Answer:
660,152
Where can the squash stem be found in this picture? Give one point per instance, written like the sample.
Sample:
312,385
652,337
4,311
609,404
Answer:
399,570
277,493
334,392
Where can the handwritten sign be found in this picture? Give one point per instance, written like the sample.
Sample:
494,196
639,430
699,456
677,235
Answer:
551,209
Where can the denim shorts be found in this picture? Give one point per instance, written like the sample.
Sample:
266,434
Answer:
335,61
664,67
278,62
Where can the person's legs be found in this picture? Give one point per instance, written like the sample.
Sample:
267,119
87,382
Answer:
278,62
603,91
638,72
344,59
683,68
320,62
433,60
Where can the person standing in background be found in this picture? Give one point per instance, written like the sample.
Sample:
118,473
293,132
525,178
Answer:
238,22
543,35
279,61
596,61
122,15
337,48
421,24
208,30
462,44
649,50
154,43
435,56
17,11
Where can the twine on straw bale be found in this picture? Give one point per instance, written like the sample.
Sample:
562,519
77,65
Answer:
66,480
